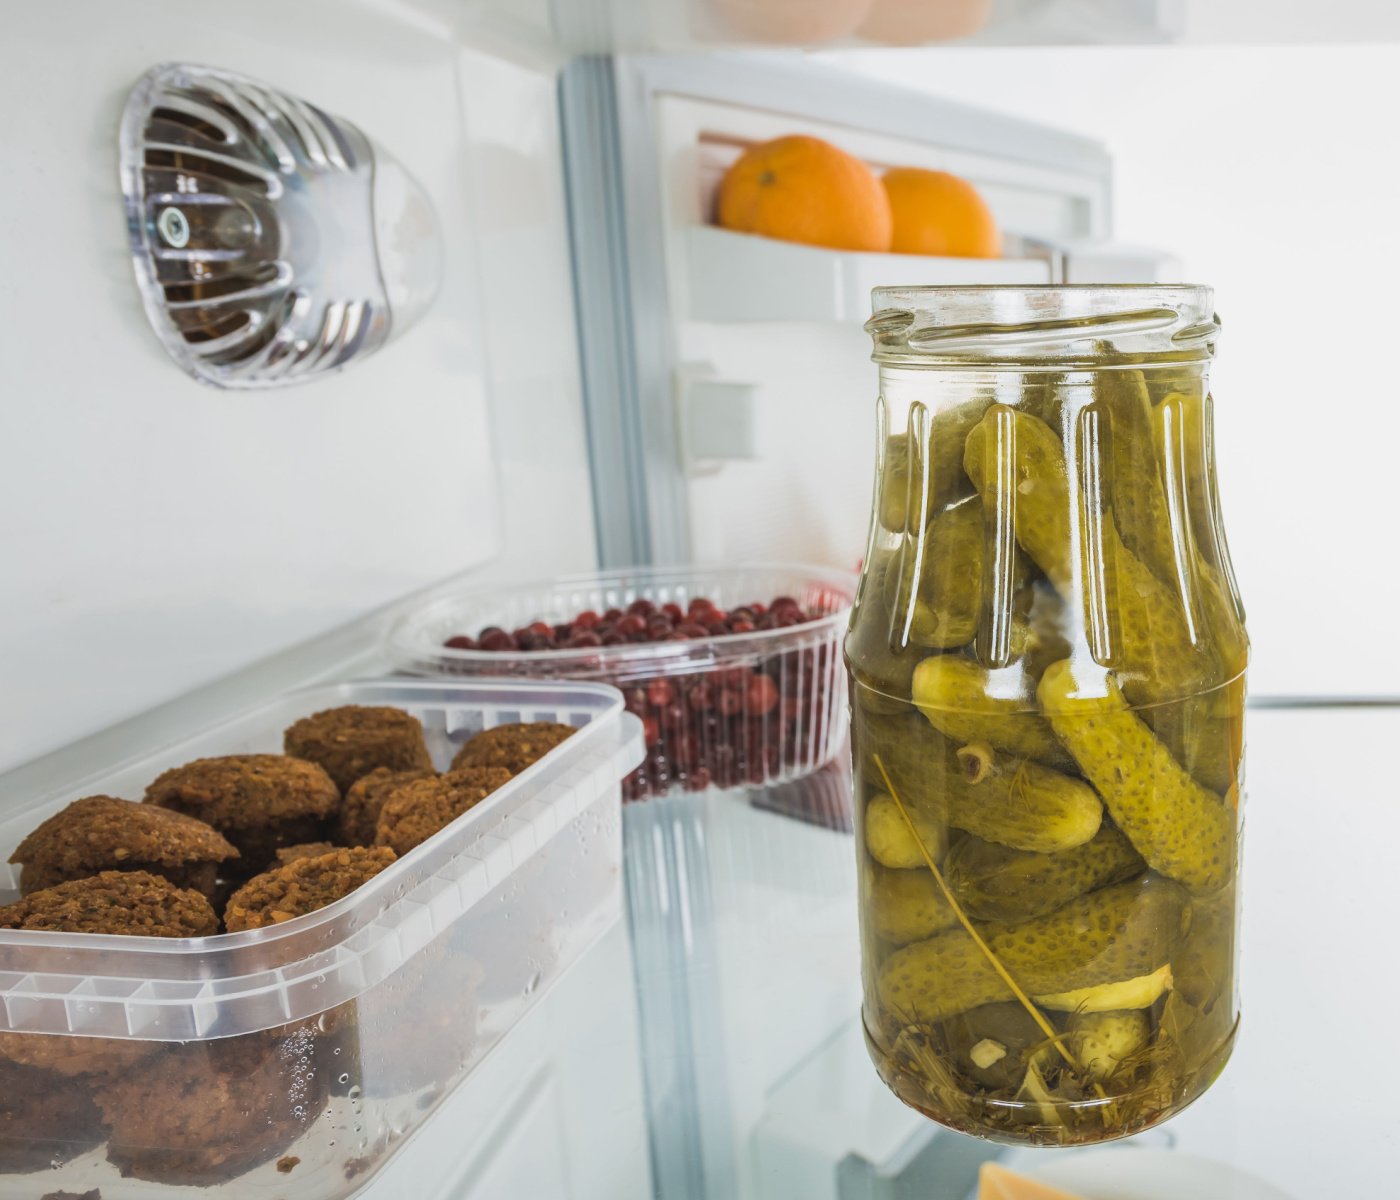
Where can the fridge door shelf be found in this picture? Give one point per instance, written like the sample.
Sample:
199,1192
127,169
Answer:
740,277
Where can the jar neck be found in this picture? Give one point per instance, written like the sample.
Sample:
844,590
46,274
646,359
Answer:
942,387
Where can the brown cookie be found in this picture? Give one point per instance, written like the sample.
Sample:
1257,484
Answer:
290,854
416,811
74,1056
303,886
260,802
205,1112
44,1119
102,833
351,741
513,747
121,902
359,811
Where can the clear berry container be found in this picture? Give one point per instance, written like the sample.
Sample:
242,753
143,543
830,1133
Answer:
718,710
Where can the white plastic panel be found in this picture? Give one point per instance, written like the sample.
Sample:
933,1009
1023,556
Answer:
158,534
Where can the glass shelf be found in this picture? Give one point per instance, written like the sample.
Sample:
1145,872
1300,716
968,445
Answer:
743,930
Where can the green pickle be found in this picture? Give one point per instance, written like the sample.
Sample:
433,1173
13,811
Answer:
997,883
994,795
955,696
1047,661
1182,831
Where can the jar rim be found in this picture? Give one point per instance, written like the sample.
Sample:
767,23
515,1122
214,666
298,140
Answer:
1053,325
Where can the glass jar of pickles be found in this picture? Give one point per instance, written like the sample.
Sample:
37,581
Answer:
1047,660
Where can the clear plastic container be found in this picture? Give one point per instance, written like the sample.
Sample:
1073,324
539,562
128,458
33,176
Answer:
710,716
1047,658
296,1059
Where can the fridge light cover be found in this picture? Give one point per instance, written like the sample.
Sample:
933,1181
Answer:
272,242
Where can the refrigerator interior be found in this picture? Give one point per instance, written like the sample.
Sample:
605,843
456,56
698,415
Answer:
175,551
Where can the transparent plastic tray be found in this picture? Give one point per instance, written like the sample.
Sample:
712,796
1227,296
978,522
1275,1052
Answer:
690,742
297,1058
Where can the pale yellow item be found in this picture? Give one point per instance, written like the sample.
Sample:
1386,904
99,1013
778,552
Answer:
995,1182
1141,992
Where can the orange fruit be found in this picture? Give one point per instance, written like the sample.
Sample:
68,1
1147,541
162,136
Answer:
802,189
913,22
791,22
938,213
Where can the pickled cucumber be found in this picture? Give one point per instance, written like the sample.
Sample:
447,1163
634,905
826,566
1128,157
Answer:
1102,1041
956,697
900,471
914,755
975,788
1016,462
905,906
889,841
1133,482
996,883
1181,433
1142,992
1118,932
1182,830
936,596
1132,619
1019,803
904,485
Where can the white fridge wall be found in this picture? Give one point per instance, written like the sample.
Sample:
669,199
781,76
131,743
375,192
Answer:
158,533
1281,196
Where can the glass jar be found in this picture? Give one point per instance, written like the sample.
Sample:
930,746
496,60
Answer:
1047,661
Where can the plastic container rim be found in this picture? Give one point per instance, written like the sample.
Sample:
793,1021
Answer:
408,645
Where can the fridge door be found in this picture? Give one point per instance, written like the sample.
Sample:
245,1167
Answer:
726,376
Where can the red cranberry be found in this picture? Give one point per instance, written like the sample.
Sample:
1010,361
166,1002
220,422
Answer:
603,628
651,731
658,628
784,602
759,609
583,638
789,617
460,642
613,614
740,626
497,639
660,693
630,626
730,701
767,621
716,626
702,696
612,639
682,749
586,619
691,630
698,603
762,695
673,612
743,613
641,608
